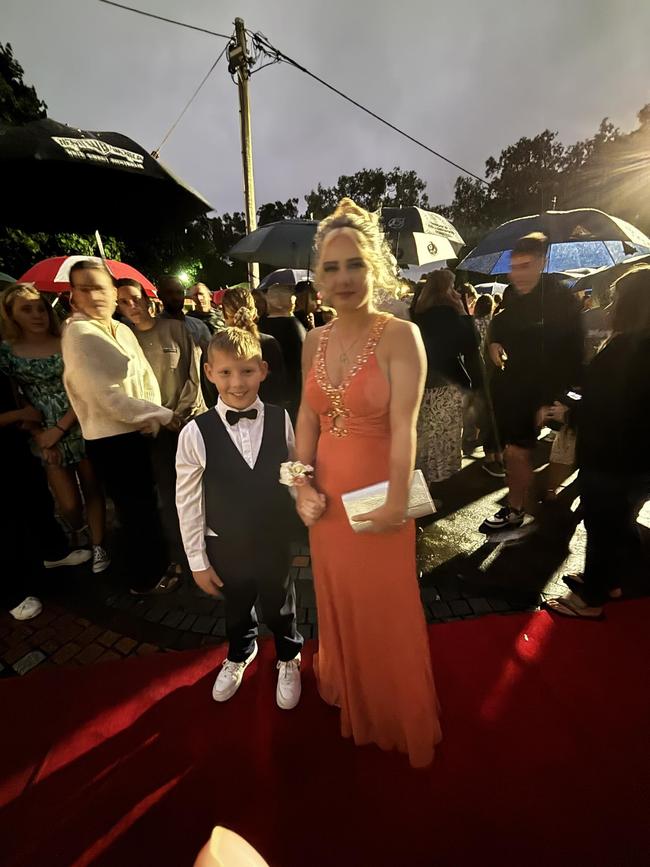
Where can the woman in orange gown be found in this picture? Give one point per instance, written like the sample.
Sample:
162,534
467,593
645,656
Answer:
363,382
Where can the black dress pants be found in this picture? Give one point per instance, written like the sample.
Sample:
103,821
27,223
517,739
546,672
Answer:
30,531
252,571
123,464
610,505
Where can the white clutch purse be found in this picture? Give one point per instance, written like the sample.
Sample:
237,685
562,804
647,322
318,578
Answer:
366,499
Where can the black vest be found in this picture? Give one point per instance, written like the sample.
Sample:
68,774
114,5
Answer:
241,502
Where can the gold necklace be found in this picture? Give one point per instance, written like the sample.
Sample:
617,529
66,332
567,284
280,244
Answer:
344,358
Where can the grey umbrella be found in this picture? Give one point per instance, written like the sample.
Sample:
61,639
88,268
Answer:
285,244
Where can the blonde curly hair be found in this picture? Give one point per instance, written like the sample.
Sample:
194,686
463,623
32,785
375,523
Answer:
240,311
9,328
372,246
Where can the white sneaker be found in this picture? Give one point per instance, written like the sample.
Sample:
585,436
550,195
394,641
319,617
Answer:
101,560
28,608
230,677
289,688
74,558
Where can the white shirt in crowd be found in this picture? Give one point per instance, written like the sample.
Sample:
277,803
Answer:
109,382
190,463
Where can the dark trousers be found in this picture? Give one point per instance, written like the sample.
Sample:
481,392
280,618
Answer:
249,573
610,505
123,464
163,457
30,532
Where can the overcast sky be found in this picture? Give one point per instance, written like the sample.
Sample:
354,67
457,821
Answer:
467,77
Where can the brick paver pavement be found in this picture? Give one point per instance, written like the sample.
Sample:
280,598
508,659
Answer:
90,619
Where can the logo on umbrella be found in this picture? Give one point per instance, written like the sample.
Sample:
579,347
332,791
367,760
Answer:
99,151
397,223
581,232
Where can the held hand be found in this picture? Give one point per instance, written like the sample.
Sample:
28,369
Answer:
30,415
208,581
310,504
52,457
498,355
457,302
47,439
175,424
385,519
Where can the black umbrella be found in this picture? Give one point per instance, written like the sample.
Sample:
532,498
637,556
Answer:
285,244
48,172
582,238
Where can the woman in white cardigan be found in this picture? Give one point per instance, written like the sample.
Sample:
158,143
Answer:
116,398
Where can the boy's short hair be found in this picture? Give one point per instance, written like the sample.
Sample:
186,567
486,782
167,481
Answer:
534,244
236,341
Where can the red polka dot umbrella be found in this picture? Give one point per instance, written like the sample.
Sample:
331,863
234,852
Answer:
52,275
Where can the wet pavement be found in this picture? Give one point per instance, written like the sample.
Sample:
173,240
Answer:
464,574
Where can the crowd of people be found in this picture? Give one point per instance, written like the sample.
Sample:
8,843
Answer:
184,418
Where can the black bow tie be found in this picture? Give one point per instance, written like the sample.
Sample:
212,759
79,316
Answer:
232,416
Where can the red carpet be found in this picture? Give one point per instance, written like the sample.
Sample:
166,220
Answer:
545,759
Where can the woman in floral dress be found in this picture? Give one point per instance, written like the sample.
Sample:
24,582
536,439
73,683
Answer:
31,356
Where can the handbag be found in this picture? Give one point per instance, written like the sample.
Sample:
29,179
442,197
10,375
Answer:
372,497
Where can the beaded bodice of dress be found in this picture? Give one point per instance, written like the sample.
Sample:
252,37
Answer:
341,407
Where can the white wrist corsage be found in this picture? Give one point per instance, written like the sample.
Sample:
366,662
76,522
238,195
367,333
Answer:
294,474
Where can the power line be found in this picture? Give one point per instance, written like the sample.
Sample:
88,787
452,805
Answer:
156,153
161,18
266,47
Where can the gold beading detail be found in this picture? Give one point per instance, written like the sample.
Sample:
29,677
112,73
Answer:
336,393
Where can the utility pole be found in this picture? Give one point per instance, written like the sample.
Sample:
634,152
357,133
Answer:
238,63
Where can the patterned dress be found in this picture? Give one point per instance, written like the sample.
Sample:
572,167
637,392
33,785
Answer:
41,380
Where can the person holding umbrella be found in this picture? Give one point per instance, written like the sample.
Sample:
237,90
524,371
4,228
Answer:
116,397
536,344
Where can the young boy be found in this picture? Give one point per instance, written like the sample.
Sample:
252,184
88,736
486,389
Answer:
235,515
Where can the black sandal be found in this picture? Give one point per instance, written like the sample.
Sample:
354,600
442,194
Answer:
575,583
564,608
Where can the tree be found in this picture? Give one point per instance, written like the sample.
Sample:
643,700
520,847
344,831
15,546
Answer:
370,188
20,250
610,171
272,212
524,179
19,102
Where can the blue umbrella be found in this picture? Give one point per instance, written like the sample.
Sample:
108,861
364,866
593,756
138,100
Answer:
582,238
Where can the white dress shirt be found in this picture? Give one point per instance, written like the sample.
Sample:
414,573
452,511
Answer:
190,464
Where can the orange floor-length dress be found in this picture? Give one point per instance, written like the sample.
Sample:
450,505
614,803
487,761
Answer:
373,660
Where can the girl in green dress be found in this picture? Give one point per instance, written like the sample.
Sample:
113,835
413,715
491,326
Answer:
31,356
